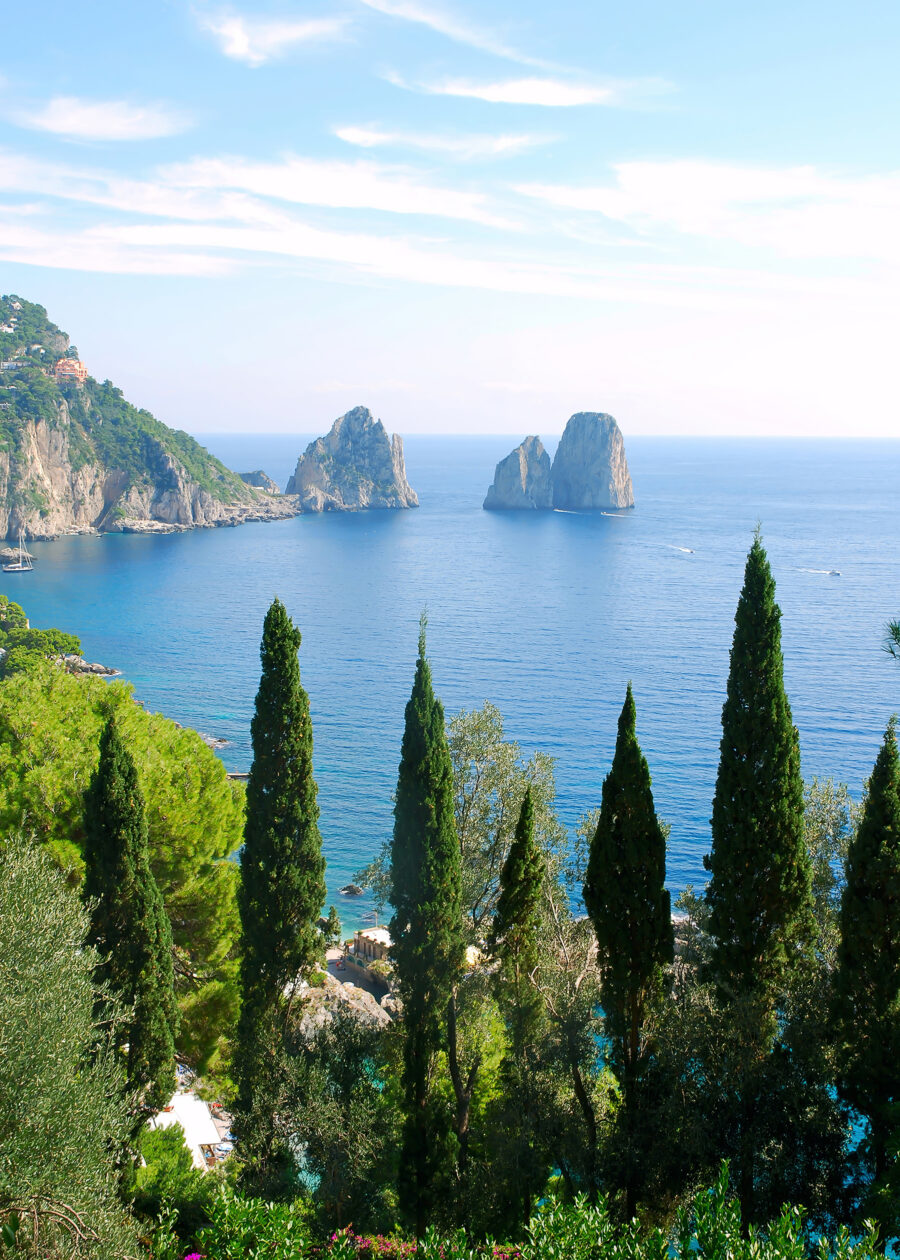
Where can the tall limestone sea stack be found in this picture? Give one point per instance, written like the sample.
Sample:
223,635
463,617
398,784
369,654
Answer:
355,466
589,471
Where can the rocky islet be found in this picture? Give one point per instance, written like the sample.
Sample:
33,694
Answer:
589,471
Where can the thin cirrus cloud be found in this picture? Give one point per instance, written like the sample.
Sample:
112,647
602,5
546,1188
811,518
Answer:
796,212
453,28
258,40
552,93
462,147
76,118
238,189
339,185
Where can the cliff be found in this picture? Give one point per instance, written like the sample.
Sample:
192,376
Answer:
76,457
354,466
522,479
589,471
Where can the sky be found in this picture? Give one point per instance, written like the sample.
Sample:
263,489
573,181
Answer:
469,217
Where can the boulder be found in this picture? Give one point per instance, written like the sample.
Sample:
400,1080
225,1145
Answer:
356,465
522,479
589,470
260,480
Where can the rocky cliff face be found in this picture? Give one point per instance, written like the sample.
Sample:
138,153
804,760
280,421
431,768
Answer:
589,470
49,485
77,457
354,466
522,480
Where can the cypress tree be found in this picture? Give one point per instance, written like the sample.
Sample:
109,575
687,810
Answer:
129,926
282,886
759,893
626,898
426,930
514,935
867,980
514,942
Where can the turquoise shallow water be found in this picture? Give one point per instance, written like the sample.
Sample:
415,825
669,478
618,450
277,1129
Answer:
546,614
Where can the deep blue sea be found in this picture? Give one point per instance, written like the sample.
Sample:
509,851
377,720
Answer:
548,615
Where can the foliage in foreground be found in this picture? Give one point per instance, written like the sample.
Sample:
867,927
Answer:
61,1104
710,1229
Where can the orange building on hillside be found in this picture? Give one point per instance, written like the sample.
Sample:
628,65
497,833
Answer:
71,370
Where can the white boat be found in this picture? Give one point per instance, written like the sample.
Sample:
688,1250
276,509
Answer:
23,564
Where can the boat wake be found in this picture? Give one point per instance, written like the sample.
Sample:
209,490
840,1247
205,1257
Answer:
824,572
685,551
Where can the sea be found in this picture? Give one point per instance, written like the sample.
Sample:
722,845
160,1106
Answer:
548,615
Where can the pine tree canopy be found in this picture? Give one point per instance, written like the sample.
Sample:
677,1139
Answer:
867,981
129,925
282,868
759,893
625,891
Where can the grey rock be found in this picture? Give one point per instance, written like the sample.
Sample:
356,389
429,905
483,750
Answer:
354,466
260,480
522,479
318,1006
590,471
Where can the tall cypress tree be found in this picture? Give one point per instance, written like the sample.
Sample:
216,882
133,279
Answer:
760,889
514,935
514,943
129,925
625,895
282,886
759,893
867,980
426,930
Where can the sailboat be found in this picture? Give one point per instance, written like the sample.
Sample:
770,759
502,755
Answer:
23,564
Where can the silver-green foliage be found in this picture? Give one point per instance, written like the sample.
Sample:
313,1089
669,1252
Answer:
61,1106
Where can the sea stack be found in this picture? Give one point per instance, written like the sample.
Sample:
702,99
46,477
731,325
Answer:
590,471
355,466
522,479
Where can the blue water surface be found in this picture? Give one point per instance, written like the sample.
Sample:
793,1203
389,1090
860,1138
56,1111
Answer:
548,615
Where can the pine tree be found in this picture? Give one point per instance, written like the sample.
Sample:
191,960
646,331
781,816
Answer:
867,980
626,898
514,942
282,888
759,892
426,930
129,925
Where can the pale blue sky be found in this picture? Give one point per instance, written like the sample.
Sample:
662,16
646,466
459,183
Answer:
469,217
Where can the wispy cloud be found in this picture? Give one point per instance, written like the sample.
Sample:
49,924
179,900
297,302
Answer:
77,118
258,40
463,147
455,28
345,185
549,92
797,212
